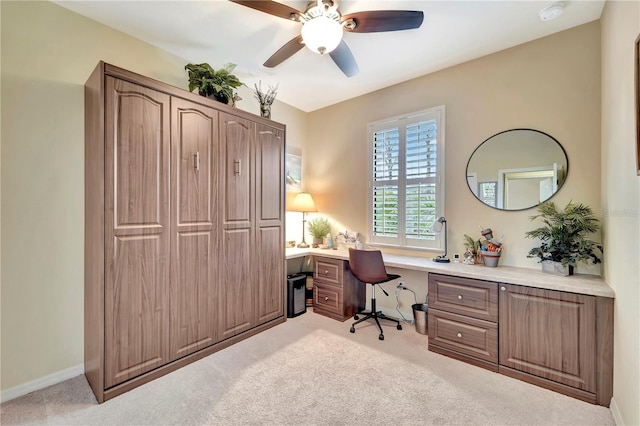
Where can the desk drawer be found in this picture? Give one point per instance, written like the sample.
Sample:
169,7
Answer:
328,270
474,298
466,335
328,298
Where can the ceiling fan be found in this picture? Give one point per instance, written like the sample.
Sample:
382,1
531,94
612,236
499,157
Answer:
323,26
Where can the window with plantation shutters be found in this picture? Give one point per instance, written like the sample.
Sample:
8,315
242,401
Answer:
406,179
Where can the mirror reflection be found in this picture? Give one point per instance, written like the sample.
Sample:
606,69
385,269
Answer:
517,169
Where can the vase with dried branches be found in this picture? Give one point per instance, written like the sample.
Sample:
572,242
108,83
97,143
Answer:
265,99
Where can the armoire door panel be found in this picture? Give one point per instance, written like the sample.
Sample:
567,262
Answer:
193,301
549,334
236,283
195,133
237,136
136,314
271,274
138,153
270,145
136,230
194,235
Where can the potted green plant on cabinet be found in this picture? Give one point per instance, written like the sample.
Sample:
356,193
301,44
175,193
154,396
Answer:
563,237
319,227
213,84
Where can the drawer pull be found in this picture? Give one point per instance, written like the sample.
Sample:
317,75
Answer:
460,335
459,297
503,288
326,298
325,273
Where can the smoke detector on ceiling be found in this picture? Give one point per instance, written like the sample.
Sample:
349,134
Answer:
551,12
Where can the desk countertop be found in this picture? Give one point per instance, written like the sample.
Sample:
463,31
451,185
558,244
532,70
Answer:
592,285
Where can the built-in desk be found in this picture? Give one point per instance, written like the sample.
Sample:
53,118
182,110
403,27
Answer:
552,331
591,285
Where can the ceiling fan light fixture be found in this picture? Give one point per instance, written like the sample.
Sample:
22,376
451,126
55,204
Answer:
321,34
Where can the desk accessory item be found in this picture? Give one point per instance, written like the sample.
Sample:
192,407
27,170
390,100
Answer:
440,225
303,202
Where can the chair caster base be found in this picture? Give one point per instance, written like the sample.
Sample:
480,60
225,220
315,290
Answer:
381,337
352,330
356,317
399,327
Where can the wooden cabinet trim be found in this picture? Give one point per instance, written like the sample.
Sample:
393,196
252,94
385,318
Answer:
336,282
466,335
329,271
579,343
549,334
464,296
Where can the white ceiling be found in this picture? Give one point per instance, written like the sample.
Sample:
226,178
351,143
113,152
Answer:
219,31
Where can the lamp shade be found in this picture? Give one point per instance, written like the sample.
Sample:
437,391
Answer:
436,228
303,202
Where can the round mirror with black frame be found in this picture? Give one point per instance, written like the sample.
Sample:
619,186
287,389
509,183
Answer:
517,169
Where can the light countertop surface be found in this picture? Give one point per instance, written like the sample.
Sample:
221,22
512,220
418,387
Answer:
592,285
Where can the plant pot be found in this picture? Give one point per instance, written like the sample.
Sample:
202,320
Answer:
556,268
220,97
316,242
491,258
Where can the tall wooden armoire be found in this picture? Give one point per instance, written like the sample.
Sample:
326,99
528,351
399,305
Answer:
184,228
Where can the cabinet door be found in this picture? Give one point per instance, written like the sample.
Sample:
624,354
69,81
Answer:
270,227
136,230
194,168
237,301
550,334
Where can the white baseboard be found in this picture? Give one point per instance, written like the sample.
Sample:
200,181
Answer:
617,417
41,383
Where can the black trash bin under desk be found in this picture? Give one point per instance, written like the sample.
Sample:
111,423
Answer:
296,294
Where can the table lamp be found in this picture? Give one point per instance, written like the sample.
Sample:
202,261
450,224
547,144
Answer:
440,225
303,202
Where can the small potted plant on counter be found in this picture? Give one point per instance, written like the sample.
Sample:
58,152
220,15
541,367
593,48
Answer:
319,227
472,253
563,237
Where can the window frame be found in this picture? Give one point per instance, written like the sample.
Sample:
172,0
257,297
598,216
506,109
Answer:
401,121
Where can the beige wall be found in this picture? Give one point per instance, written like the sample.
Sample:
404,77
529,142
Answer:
551,84
621,200
47,54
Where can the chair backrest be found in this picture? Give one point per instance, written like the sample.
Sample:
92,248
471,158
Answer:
367,265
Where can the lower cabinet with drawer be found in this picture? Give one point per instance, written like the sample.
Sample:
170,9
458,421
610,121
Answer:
554,339
336,292
463,319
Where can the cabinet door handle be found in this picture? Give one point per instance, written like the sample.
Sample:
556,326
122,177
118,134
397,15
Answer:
236,167
503,288
459,297
459,335
196,161
326,298
325,273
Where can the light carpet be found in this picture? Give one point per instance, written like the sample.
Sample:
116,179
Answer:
312,371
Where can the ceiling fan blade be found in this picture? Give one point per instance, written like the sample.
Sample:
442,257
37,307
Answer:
344,59
271,7
285,52
384,20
